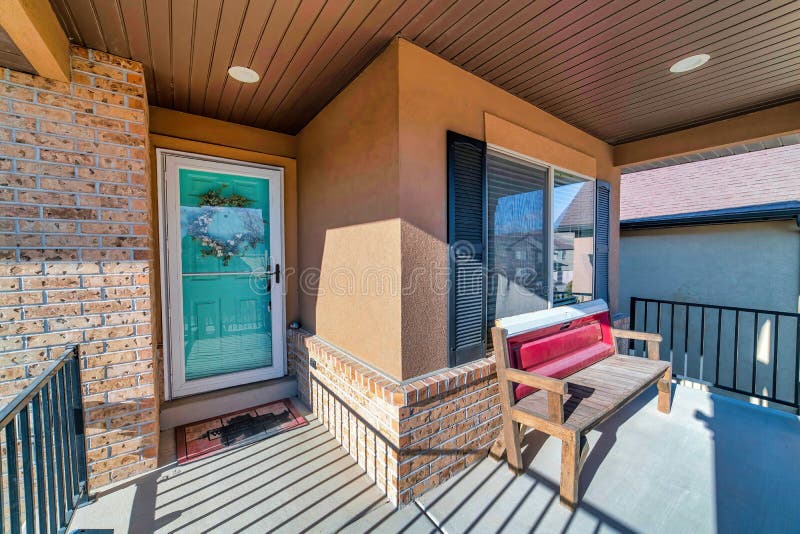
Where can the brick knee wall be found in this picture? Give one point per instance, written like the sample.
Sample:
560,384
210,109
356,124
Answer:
75,249
409,437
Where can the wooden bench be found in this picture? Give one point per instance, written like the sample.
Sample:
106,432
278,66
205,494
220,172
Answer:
559,372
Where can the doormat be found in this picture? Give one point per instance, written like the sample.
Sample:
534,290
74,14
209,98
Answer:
205,438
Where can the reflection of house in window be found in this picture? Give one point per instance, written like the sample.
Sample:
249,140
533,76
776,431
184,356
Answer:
519,254
573,239
516,245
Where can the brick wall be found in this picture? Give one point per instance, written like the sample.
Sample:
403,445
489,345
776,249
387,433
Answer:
407,437
75,248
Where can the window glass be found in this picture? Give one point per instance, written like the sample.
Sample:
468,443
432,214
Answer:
573,238
518,237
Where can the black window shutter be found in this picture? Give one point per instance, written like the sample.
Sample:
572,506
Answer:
466,211
601,233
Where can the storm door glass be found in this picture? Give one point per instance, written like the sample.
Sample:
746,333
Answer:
224,224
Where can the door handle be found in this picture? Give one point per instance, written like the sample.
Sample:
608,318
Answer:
268,275
276,272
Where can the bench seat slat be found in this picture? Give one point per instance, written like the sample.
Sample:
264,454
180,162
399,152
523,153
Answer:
598,391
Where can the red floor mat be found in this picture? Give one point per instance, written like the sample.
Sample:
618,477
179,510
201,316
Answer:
205,438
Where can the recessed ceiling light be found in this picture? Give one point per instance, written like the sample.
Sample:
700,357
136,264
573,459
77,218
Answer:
690,63
243,74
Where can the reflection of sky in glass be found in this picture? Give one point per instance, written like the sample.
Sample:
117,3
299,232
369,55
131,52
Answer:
523,212
520,213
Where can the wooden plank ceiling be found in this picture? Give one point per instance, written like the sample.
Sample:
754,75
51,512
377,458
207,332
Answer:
602,65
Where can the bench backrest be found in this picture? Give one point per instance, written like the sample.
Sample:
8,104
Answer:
558,342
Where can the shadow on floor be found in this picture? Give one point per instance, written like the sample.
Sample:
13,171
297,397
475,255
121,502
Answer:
297,481
713,465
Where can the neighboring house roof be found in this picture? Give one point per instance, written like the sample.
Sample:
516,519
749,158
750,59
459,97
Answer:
759,185
580,212
764,212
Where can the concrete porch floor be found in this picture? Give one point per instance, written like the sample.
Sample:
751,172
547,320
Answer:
299,481
714,465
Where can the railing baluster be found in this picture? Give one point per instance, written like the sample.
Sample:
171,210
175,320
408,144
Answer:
48,455
631,344
59,453
38,446
13,475
27,467
736,351
686,343
73,453
797,364
658,317
774,390
719,345
2,498
702,339
64,421
80,434
755,353
644,328
671,333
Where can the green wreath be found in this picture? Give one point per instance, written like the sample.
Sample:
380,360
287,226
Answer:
213,197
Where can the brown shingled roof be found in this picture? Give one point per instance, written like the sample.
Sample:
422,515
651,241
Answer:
751,179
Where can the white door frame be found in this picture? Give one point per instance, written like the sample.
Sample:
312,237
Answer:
175,384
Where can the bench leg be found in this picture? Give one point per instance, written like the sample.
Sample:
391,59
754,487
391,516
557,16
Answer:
511,441
498,448
499,445
570,469
665,392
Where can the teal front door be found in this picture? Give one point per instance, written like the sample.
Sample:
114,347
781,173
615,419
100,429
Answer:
223,256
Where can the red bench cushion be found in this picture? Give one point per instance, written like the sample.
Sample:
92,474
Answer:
561,350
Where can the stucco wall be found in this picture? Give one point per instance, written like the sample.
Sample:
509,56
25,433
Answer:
436,96
753,265
372,199
349,230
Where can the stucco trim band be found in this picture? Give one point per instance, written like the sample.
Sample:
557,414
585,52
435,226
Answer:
503,133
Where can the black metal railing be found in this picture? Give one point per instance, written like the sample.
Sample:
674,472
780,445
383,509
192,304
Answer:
44,451
748,351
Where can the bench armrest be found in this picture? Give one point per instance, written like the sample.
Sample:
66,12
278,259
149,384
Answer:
555,389
633,334
652,340
536,381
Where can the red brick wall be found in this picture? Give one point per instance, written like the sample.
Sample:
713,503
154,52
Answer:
407,437
75,254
